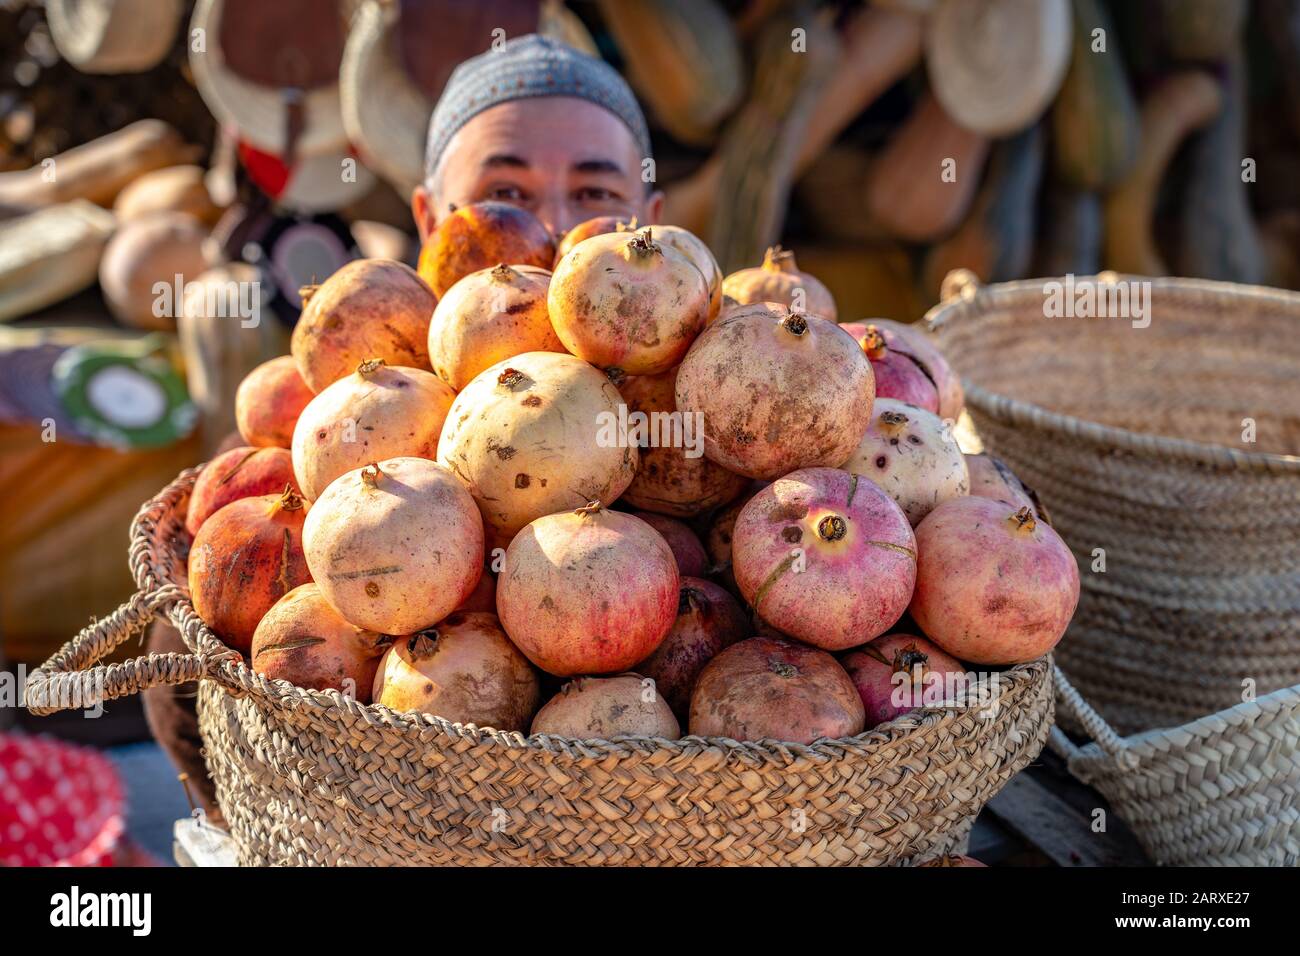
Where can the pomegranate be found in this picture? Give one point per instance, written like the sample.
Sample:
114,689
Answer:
487,317
778,279
992,478
592,227
479,236
602,708
464,670
484,595
674,477
694,249
825,557
379,411
778,391
994,585
764,688
911,454
524,437
913,341
590,591
245,558
395,546
269,401
686,547
897,375
893,675
708,620
628,302
370,308
242,472
302,640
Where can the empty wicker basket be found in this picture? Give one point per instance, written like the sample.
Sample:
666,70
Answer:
1166,446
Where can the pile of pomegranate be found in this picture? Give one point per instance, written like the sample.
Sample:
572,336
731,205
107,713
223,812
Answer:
603,490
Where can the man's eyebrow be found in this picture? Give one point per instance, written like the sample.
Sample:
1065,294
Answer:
505,159
598,166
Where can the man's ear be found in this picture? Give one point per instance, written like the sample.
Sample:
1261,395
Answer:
654,208
422,211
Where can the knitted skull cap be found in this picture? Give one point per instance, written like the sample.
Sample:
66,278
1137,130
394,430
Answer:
525,67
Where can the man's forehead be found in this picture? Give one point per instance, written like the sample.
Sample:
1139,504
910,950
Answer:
544,133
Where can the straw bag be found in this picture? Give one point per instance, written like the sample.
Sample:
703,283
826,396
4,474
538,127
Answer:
1223,790
1200,595
312,777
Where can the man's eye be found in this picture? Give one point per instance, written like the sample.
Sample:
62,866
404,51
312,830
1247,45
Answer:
506,194
596,194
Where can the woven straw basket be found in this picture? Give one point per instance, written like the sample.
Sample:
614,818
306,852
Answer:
311,777
1223,790
1134,439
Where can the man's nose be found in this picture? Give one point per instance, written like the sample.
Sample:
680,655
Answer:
558,216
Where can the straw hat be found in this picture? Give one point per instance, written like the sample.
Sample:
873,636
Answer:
996,65
113,36
259,108
386,109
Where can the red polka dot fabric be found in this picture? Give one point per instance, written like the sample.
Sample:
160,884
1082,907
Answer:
60,805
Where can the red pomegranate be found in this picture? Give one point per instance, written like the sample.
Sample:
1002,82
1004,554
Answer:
245,558
708,620
763,688
269,401
994,585
624,301
303,640
778,391
898,376
480,236
893,675
692,560
590,591
826,557
992,478
913,341
674,477
242,472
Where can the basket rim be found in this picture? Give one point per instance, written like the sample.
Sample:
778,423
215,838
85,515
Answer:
227,667
1166,743
282,694
975,299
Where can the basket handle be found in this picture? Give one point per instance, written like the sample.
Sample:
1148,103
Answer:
68,681
1071,702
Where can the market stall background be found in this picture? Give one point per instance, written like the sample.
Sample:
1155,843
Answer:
1174,153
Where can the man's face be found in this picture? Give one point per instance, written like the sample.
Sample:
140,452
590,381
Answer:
564,159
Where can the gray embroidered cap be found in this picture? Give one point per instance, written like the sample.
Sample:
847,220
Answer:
529,66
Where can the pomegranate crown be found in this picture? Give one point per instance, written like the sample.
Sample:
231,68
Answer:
796,323
371,473
510,377
891,421
643,243
776,259
370,365
832,528
873,343
908,657
423,643
1023,520
289,500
